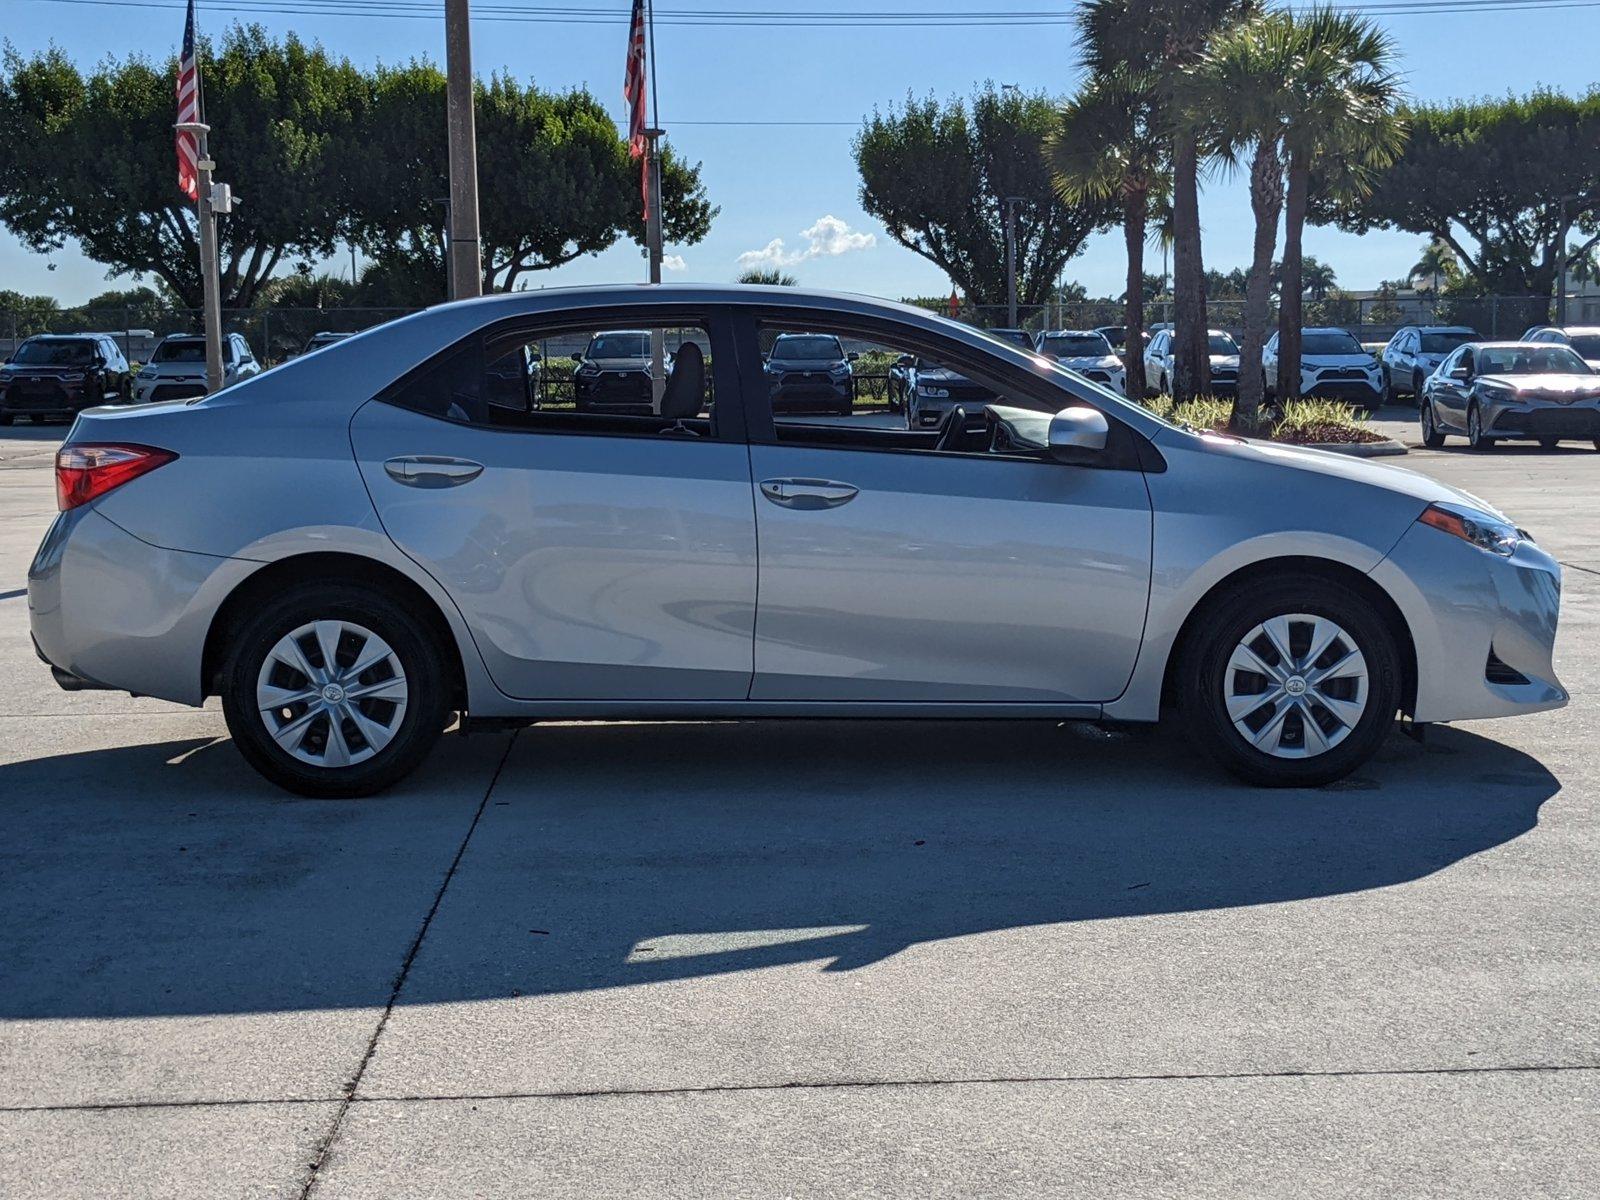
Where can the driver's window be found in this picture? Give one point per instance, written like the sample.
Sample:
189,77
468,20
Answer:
1466,363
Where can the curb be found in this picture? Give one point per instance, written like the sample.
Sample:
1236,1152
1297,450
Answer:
1360,449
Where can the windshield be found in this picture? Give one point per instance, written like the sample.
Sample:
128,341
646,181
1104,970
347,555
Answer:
1221,343
55,352
1336,342
1076,345
186,351
1530,360
1443,343
620,345
1586,344
808,347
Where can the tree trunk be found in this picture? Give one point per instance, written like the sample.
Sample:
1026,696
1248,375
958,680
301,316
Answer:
1135,209
1191,365
1266,202
1289,307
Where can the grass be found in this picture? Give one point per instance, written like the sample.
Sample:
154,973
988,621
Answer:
1298,422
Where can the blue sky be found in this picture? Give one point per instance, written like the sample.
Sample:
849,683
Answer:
798,183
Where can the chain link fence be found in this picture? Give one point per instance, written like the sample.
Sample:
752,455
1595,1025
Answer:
276,334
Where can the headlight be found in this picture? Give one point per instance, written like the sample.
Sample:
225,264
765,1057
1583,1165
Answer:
147,373
587,369
773,369
931,392
1470,525
75,377
840,369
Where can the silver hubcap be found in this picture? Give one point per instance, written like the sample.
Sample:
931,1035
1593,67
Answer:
1295,686
332,693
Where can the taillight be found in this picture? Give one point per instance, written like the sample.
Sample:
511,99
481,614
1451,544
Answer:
87,470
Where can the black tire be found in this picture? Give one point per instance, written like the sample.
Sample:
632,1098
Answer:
421,657
1418,384
1475,435
6,419
1390,396
1226,622
1432,438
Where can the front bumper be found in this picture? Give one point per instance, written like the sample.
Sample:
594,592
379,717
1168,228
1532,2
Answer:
1365,392
622,391
1581,420
113,611
151,391
1484,626
792,393
44,398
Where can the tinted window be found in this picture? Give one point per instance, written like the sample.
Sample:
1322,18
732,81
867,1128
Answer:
56,352
1336,342
1443,343
807,347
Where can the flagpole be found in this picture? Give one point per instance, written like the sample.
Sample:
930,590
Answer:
652,224
205,214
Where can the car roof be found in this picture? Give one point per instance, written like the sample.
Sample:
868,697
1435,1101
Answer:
1444,329
1517,344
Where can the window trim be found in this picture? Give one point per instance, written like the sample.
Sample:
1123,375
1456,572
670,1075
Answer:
715,319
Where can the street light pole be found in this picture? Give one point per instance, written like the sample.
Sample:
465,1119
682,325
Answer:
466,269
210,273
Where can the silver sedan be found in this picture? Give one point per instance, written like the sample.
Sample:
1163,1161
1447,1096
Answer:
1489,391
352,547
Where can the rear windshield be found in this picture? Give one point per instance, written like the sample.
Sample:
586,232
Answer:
620,345
55,352
1337,342
186,351
1443,343
1076,345
812,346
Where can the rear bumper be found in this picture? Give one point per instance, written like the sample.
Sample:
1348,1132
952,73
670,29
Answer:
108,610
1463,605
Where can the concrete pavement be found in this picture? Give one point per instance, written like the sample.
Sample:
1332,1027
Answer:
801,958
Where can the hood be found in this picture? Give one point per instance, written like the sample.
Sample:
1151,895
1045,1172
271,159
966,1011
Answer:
941,375
1339,360
169,370
618,364
44,370
1548,385
1397,480
1225,360
808,364
1101,362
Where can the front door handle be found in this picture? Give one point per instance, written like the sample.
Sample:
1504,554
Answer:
432,470
808,494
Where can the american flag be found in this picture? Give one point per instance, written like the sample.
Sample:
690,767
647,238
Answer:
188,111
633,87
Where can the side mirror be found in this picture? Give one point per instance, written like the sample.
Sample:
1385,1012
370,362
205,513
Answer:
852,357
575,357
1462,373
906,360
1078,434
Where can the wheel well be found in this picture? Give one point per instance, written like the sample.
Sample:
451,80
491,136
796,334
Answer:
327,568
1258,572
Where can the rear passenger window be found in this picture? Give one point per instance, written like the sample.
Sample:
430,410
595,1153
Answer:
639,381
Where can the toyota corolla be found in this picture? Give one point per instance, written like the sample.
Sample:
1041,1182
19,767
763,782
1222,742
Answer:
357,545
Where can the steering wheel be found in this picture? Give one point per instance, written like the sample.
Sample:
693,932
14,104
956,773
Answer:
951,428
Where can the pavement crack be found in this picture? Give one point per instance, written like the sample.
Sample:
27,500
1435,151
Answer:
326,1143
1576,567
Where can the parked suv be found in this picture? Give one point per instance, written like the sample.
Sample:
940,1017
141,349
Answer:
1414,352
58,375
177,368
810,372
1087,352
1333,366
1221,349
613,373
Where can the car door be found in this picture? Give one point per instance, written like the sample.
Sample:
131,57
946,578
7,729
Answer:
594,555
1449,393
895,572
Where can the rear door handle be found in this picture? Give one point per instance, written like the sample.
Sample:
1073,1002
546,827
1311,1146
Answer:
432,471
808,494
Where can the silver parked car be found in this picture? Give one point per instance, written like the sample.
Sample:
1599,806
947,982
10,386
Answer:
357,544
1413,353
1532,391
177,367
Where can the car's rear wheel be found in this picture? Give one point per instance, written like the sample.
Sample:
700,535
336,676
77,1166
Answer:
1291,683
332,690
1475,435
1431,435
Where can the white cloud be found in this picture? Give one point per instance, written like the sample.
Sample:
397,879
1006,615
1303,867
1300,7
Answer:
829,237
673,262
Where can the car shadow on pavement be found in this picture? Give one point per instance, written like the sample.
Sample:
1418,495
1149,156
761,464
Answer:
164,879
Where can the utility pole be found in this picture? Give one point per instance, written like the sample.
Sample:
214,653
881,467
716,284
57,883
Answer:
210,273
652,221
1561,251
466,269
1011,258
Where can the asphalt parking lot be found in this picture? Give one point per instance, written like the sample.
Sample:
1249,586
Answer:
803,959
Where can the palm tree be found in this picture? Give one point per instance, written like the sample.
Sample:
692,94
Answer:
1437,260
1243,81
1316,277
1346,91
1162,40
1106,145
767,275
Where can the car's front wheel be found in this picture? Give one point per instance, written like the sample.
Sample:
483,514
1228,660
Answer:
1432,437
333,690
1291,683
1475,435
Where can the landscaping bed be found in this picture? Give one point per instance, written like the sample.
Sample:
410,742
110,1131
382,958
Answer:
1325,424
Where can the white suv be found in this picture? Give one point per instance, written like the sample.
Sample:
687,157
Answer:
1333,366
